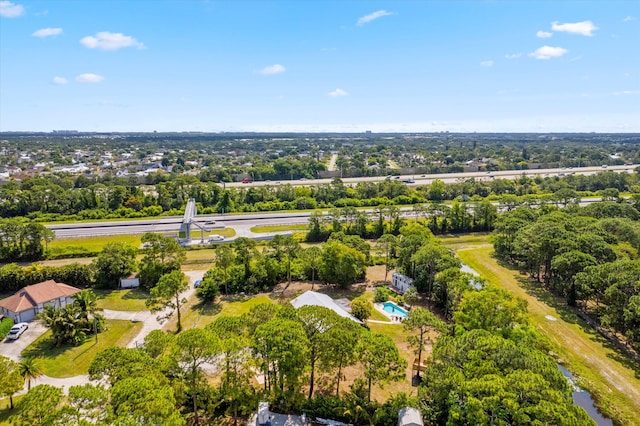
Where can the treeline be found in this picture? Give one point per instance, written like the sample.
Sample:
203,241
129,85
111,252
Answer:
22,239
438,217
14,277
83,198
588,255
301,354
493,368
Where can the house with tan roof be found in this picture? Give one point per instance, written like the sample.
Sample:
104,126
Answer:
31,300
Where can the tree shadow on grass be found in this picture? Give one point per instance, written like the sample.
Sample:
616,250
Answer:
46,348
136,294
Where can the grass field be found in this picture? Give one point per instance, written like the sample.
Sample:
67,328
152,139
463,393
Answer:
197,315
275,228
612,379
122,300
93,244
71,361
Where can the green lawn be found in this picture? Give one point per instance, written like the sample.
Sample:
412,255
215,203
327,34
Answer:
122,300
93,244
274,228
611,377
71,361
457,242
198,314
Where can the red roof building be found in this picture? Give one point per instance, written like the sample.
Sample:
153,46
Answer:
31,300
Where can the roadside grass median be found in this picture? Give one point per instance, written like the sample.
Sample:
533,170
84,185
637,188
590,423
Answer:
277,228
68,361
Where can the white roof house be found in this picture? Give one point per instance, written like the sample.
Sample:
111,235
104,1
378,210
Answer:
409,416
311,298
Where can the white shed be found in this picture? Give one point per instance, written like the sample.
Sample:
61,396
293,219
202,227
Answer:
409,416
132,281
401,282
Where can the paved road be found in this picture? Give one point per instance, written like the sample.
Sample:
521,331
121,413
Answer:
447,177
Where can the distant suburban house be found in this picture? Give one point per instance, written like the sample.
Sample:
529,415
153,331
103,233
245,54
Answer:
31,300
400,282
312,298
409,416
131,281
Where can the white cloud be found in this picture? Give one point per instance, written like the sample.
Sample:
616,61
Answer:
627,92
629,18
372,17
338,93
272,69
47,32
59,80
110,41
89,78
513,55
585,28
544,34
486,64
548,52
10,10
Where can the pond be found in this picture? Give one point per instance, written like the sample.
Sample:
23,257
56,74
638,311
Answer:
583,399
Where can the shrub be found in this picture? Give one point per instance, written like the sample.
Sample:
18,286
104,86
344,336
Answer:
382,295
361,308
5,326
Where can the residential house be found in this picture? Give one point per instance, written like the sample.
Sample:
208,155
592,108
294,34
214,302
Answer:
31,300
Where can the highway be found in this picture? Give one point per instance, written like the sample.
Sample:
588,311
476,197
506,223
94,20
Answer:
242,223
449,177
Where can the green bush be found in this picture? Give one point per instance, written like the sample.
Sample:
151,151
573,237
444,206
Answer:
5,326
382,294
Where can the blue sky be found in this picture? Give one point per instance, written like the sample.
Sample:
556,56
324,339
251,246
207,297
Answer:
187,65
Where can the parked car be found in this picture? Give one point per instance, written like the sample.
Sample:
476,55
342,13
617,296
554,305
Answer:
17,330
197,283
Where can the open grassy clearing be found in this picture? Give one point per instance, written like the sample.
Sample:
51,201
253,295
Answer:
275,228
71,361
122,300
612,379
197,315
458,242
93,244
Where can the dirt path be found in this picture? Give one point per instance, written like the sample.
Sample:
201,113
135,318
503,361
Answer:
578,341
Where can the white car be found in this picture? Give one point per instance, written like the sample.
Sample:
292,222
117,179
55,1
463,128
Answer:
213,238
17,330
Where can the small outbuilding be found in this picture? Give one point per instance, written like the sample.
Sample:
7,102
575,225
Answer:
132,281
409,416
401,282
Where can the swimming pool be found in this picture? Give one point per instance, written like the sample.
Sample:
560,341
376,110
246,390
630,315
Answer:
392,308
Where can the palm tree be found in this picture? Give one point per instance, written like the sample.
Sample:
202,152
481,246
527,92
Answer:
87,301
30,368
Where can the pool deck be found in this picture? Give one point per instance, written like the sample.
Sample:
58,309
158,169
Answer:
395,319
